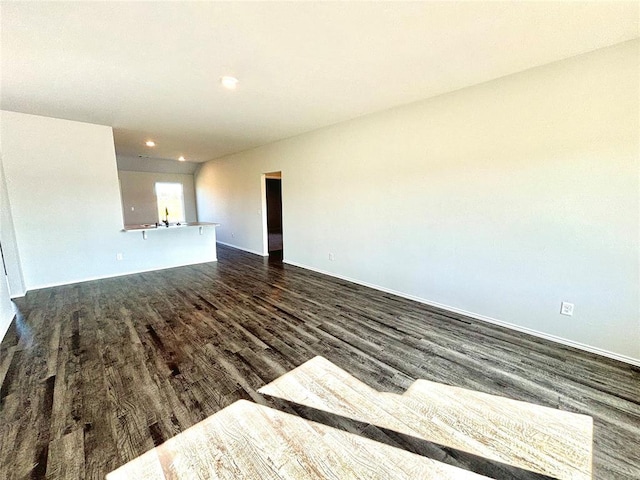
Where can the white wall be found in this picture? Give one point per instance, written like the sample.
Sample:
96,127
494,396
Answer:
8,239
501,200
63,190
6,307
9,252
138,192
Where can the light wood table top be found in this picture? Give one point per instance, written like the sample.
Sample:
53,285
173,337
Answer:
535,438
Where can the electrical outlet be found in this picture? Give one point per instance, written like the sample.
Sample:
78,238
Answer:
233,235
332,257
118,256
566,309
133,209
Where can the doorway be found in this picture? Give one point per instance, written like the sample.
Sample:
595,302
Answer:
273,198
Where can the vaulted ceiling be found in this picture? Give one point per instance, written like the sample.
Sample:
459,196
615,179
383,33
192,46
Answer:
152,69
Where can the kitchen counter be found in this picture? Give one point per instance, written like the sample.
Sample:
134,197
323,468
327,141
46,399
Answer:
145,227
162,226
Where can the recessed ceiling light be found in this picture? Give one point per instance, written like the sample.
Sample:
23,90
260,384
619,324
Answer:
229,82
151,143
181,158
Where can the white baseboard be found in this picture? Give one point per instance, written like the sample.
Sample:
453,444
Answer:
242,248
484,318
102,277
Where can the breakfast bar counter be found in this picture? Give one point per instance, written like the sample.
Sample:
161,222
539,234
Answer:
146,227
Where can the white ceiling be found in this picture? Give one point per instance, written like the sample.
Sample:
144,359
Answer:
152,69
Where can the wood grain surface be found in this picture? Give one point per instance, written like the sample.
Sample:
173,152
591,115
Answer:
540,439
246,440
95,374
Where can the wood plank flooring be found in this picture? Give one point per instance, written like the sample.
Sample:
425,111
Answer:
95,374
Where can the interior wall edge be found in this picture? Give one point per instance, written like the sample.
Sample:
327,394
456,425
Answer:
477,316
11,250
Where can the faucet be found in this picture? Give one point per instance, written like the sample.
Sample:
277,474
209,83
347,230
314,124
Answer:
166,218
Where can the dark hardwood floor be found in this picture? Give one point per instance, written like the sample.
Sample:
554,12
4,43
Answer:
94,374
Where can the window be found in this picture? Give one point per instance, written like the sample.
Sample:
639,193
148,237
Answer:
170,199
